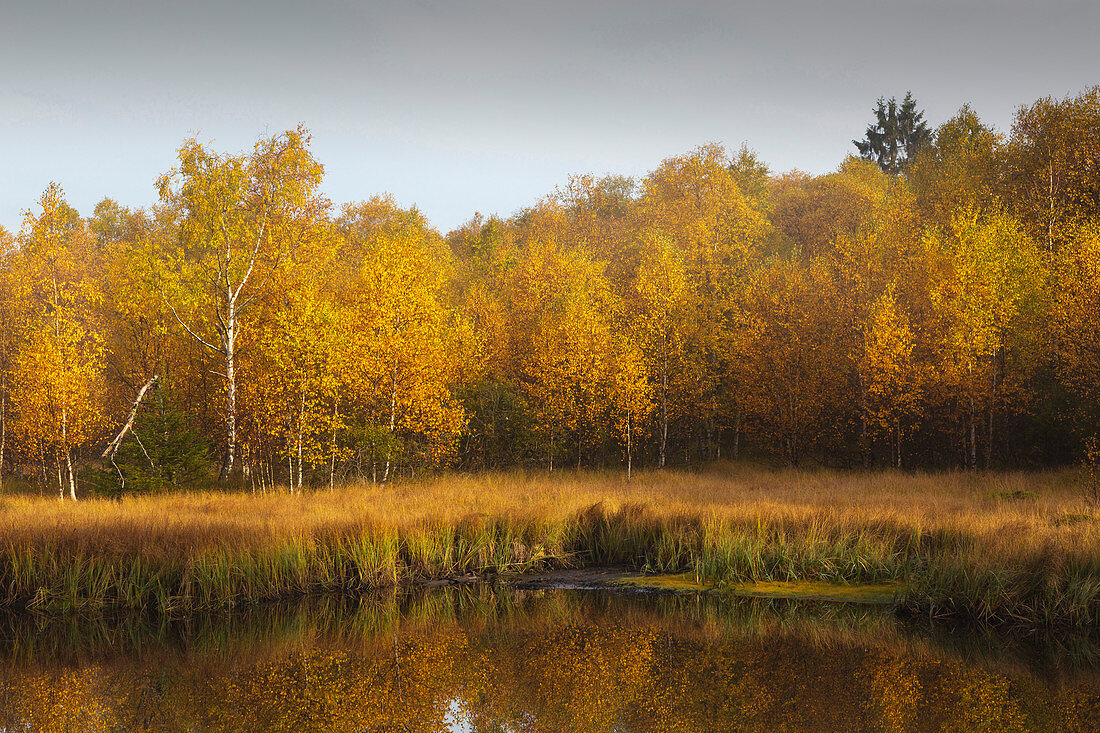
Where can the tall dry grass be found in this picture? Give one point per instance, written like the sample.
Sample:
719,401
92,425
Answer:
997,547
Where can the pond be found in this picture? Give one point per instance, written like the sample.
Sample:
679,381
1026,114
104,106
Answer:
490,658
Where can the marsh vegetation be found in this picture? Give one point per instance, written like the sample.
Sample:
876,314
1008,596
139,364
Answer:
1000,548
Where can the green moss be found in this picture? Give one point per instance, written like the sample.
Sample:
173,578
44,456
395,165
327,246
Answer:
813,590
1067,518
680,583
1017,495
801,589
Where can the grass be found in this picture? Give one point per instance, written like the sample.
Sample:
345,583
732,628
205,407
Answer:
964,546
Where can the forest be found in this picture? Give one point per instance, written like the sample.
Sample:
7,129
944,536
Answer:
932,303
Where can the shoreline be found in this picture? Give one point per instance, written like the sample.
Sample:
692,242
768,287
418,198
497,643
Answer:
914,599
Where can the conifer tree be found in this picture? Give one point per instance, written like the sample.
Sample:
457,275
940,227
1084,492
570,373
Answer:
898,132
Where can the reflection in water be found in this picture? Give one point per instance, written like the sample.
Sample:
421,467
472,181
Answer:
479,659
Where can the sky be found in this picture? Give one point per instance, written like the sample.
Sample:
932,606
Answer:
459,107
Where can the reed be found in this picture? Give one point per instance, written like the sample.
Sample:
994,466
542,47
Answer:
1000,548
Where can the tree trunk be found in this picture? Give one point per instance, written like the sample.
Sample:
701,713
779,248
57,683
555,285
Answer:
3,433
393,423
992,412
112,448
897,445
68,450
737,435
1050,214
973,458
301,419
864,446
709,451
664,413
629,457
230,396
72,478
332,455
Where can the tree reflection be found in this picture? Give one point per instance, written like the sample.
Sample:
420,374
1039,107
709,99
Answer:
484,660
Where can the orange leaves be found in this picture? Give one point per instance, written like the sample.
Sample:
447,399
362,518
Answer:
790,368
1075,319
992,280
58,388
892,380
55,356
1050,165
695,200
403,363
571,356
708,302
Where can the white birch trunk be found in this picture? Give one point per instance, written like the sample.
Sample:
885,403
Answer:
68,455
301,419
629,463
332,454
72,478
393,422
230,346
3,433
664,412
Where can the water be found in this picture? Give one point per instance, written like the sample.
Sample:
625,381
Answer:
484,659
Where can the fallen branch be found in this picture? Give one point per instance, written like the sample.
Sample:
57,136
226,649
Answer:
112,448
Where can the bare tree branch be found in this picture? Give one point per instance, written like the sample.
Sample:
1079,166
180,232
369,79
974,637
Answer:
194,335
142,446
113,446
251,260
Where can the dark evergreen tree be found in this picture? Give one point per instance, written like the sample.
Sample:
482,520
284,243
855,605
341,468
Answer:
897,134
163,452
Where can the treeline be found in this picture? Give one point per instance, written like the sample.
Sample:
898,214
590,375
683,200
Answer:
945,315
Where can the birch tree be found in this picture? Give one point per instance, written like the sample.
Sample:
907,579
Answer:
695,201
890,382
665,304
988,298
12,318
304,374
404,348
571,352
57,376
237,215
1051,163
1076,324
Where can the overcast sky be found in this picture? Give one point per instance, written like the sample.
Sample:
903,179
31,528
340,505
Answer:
459,107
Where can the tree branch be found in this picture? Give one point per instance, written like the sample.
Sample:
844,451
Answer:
113,446
194,335
251,260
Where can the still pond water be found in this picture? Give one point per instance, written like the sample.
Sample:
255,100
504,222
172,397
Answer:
484,659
